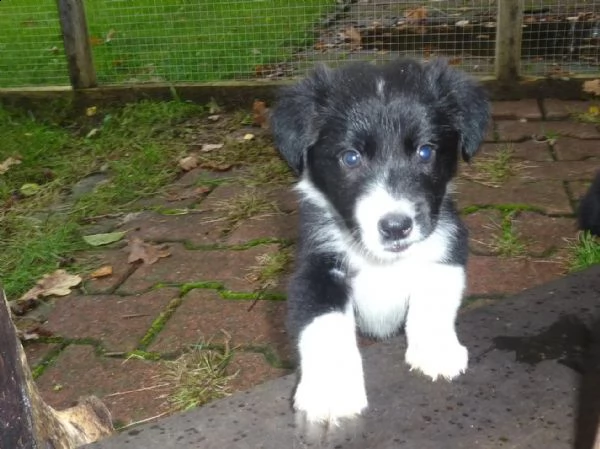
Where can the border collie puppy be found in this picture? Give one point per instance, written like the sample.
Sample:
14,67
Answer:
381,245
589,209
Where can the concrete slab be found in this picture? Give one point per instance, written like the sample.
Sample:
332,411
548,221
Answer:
521,390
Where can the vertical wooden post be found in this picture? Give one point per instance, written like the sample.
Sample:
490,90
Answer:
26,421
77,43
509,29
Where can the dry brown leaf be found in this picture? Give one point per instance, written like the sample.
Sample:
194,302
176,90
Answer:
58,283
416,14
260,114
189,162
146,252
4,166
208,147
353,36
592,87
103,271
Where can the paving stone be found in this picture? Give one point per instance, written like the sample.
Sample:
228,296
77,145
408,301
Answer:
570,149
194,228
204,316
542,234
519,131
283,226
523,388
37,351
578,188
559,110
549,196
78,372
226,266
484,228
488,275
529,150
527,109
200,177
252,369
490,133
115,258
117,322
574,129
561,171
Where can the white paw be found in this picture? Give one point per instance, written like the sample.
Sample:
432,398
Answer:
438,359
332,385
328,400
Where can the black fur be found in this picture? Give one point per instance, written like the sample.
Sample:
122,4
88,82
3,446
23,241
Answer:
589,209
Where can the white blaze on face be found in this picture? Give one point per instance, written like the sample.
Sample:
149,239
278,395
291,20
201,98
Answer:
371,207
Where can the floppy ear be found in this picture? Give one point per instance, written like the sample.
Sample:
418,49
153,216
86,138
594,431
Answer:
464,100
294,118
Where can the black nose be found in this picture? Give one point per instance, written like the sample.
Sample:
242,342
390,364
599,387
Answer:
395,226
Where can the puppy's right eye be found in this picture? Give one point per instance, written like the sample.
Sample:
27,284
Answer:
351,158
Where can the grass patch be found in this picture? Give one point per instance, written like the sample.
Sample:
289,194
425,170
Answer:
135,146
270,267
584,252
506,243
592,115
271,172
493,171
199,376
149,41
243,207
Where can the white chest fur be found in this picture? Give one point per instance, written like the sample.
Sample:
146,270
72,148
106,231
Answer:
380,297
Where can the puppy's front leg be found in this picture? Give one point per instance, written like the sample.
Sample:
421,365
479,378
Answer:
433,345
331,385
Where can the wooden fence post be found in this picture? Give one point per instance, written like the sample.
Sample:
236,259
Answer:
77,43
26,421
509,29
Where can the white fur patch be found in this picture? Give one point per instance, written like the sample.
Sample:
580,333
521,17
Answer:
380,87
433,346
331,384
382,292
373,206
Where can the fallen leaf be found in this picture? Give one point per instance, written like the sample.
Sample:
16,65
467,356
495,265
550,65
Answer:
103,271
592,87
110,35
207,147
416,14
58,283
29,189
352,35
214,166
103,239
260,114
4,166
214,117
146,252
92,133
91,111
96,41
188,163
248,136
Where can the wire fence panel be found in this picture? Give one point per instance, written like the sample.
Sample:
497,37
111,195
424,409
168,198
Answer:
462,31
31,46
561,38
178,41
189,40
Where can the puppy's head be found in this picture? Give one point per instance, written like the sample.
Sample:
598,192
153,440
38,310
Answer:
377,146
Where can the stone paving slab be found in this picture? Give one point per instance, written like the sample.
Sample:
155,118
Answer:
520,390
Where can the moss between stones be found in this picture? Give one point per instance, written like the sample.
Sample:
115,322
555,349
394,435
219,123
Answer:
159,323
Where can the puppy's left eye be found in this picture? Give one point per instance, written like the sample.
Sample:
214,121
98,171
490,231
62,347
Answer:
351,158
426,152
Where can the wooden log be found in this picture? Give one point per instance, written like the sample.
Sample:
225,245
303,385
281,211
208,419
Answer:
77,43
26,421
509,32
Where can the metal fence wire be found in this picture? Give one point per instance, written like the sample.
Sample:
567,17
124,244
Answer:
179,41
31,45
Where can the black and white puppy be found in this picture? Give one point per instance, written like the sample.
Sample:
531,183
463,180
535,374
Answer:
380,241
